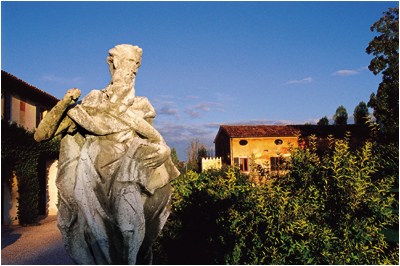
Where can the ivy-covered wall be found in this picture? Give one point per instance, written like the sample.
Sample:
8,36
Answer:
20,155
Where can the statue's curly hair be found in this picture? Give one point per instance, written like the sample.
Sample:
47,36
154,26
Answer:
124,50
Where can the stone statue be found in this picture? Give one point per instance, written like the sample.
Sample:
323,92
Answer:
114,168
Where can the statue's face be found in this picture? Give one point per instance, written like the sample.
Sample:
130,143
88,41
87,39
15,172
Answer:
123,70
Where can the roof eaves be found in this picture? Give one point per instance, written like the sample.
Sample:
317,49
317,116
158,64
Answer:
35,89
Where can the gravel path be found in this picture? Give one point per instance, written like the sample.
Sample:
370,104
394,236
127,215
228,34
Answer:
33,245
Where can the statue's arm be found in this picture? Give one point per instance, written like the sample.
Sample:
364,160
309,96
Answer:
161,155
141,126
145,128
54,123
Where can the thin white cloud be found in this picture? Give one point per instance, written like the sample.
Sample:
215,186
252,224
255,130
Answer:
192,113
164,110
205,106
223,97
189,97
62,80
345,73
167,108
306,80
179,136
168,103
175,132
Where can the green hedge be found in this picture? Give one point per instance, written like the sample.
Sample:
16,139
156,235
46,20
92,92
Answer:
20,154
331,208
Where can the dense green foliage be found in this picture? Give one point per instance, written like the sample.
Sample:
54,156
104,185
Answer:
174,156
324,121
385,49
20,154
331,208
361,114
340,116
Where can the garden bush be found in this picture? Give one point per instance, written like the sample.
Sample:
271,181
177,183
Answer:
331,208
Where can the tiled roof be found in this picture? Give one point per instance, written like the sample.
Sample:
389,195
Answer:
13,84
291,130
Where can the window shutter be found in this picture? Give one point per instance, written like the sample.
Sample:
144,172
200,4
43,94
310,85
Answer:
236,161
245,164
7,106
22,106
273,163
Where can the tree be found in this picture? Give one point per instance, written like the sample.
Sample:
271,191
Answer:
195,151
201,152
174,156
385,49
177,163
323,121
340,117
361,114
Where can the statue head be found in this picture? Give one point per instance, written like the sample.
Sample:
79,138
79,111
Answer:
124,62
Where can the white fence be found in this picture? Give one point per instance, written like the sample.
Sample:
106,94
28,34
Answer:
211,163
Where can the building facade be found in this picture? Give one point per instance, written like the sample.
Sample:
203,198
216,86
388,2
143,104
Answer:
268,144
27,105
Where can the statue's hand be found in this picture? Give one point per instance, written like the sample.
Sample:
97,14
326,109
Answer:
72,96
158,157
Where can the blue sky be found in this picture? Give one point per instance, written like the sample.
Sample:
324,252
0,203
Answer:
204,64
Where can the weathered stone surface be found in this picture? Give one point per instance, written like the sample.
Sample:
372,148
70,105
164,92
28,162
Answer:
114,168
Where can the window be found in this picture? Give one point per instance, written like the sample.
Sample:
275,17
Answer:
243,142
276,163
22,106
243,163
278,142
7,106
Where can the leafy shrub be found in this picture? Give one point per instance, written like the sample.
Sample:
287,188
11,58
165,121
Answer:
331,208
20,154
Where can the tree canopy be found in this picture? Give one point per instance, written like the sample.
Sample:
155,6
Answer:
340,117
174,156
324,121
361,113
195,151
385,49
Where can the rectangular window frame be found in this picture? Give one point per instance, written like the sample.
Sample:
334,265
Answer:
243,163
276,163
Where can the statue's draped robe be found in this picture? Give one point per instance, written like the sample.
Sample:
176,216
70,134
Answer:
112,207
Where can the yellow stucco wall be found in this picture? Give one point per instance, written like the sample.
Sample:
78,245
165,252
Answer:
10,202
262,148
15,105
30,115
51,193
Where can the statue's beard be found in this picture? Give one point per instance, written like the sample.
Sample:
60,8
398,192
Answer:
123,78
